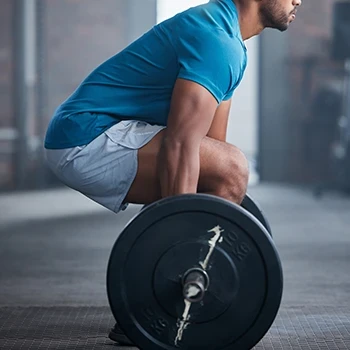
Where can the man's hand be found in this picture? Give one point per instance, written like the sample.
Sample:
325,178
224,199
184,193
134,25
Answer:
191,115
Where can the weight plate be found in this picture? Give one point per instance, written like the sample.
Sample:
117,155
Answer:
253,207
176,234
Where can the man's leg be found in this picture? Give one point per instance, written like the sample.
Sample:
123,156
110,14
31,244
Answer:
223,171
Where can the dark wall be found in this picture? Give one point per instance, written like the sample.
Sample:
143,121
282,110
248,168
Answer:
6,40
274,105
6,91
295,67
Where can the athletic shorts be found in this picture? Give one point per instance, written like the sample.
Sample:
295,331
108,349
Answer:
104,169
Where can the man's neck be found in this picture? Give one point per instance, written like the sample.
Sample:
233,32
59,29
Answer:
249,20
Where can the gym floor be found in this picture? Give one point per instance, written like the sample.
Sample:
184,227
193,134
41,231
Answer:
52,279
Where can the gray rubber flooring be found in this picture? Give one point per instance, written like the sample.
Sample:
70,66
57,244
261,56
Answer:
52,276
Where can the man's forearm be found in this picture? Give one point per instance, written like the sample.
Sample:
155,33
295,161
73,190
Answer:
218,128
178,167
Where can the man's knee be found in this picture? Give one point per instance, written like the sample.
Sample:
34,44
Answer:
235,175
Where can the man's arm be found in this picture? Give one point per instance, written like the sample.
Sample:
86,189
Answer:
218,128
191,114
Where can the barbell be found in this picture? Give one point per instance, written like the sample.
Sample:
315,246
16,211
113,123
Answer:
194,272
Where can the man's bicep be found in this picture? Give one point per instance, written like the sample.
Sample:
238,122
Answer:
191,112
218,128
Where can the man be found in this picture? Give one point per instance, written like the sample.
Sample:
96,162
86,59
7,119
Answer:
151,121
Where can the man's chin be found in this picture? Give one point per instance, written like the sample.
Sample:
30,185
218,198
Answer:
281,27
284,28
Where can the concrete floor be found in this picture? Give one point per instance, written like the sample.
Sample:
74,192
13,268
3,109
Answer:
53,265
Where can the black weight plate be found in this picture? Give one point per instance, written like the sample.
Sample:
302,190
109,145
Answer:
171,236
253,207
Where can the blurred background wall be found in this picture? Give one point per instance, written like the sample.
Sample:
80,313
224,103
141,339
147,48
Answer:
302,97
285,115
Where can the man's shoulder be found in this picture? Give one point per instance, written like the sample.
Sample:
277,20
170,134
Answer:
209,21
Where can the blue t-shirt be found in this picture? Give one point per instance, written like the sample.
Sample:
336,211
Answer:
202,44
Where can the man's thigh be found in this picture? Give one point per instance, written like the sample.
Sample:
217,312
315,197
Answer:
146,185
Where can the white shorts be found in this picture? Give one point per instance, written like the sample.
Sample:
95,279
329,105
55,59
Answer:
104,169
